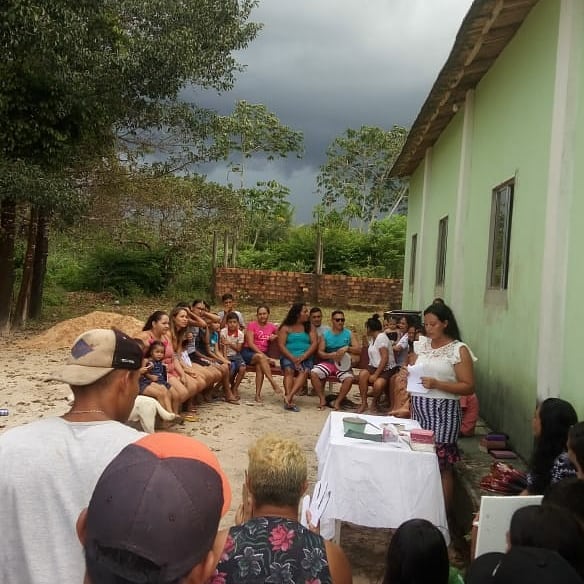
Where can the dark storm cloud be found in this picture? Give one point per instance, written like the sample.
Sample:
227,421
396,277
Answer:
327,65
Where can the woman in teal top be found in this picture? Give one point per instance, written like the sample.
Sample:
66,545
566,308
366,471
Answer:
297,340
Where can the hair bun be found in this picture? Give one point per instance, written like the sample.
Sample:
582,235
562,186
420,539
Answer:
375,316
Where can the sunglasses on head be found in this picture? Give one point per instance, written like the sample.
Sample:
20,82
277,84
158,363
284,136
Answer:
339,319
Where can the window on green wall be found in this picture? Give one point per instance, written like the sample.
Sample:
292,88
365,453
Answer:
441,251
500,236
413,251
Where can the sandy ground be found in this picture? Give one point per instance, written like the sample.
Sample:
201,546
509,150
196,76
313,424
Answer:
226,429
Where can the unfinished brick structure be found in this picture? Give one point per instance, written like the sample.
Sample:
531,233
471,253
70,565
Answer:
257,286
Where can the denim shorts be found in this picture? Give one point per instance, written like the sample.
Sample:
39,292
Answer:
285,363
247,354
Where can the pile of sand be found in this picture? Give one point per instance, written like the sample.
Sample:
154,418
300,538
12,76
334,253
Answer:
62,335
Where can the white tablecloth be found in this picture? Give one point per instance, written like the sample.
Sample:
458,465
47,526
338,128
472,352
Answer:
377,484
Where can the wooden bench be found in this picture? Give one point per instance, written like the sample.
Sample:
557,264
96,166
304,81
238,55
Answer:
273,352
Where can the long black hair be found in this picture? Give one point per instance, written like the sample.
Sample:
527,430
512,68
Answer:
556,416
374,323
293,316
549,527
444,314
154,317
417,554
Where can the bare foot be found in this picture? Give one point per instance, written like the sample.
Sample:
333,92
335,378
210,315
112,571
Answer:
362,409
277,390
258,398
336,406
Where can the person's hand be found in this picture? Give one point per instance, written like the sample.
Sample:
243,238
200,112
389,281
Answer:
145,368
273,337
373,378
428,382
313,528
183,379
403,373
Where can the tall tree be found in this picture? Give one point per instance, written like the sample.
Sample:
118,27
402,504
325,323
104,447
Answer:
355,176
251,130
81,78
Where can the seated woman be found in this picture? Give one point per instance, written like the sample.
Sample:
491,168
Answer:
550,462
272,546
198,378
157,328
576,448
544,544
258,334
417,554
297,341
381,363
200,313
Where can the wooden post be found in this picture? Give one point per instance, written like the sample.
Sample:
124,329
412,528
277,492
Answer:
226,250
214,250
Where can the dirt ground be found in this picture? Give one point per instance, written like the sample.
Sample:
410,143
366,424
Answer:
26,360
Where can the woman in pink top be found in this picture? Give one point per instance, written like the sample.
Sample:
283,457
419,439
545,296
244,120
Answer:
258,335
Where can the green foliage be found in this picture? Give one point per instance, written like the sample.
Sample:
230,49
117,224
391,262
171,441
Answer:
355,176
252,129
378,254
127,271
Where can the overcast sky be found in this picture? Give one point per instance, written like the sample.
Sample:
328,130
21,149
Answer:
323,66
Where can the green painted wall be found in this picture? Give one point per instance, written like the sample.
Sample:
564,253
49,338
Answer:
511,132
572,384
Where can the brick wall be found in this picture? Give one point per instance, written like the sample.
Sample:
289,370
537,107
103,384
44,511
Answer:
256,286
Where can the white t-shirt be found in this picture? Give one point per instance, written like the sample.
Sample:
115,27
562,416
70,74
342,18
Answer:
48,470
229,350
375,356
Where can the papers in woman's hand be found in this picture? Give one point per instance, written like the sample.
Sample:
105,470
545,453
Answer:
316,505
415,374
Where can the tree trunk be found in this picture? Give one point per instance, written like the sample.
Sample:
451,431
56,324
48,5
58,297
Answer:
39,268
319,253
225,250
234,250
214,252
22,303
7,239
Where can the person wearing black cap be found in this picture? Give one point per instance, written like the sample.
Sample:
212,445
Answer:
154,514
48,468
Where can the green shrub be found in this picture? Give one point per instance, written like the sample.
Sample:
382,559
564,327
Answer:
127,272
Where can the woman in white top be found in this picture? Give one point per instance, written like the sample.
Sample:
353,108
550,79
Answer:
381,362
448,374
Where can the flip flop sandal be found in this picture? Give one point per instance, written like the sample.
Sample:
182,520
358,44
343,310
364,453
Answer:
291,408
189,417
234,402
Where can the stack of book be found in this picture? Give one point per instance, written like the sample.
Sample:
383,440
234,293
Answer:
422,440
496,445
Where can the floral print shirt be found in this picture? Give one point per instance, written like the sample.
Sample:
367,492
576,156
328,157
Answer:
273,550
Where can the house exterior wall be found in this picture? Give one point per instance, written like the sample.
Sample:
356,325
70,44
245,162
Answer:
572,386
511,125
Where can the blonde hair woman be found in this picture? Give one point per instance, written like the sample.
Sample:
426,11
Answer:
272,545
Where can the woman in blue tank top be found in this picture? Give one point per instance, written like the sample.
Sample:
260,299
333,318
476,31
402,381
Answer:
297,341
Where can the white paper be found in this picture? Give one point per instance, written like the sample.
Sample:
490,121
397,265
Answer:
415,374
303,510
320,498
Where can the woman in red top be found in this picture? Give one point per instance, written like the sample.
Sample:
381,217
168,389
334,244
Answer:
157,328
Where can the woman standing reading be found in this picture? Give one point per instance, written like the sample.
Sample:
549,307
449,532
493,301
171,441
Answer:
448,373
